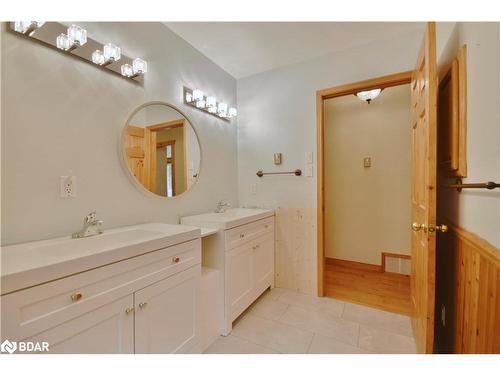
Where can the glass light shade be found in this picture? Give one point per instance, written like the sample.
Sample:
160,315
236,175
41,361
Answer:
211,101
63,42
189,97
197,95
112,52
24,26
212,109
127,70
98,57
369,95
222,108
200,104
232,112
77,35
139,66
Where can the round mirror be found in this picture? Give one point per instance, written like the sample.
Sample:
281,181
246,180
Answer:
161,149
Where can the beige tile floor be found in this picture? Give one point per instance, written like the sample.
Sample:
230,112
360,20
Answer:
283,321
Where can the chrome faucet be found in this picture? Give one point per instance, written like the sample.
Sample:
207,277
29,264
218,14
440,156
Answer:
91,226
222,206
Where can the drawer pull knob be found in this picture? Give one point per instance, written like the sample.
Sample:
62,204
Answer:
242,235
129,310
143,305
76,297
176,259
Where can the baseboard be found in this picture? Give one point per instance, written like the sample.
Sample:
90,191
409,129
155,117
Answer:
353,264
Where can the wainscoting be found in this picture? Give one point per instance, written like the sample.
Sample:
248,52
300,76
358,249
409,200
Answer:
467,294
296,249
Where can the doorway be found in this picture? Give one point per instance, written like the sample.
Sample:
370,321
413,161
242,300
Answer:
367,163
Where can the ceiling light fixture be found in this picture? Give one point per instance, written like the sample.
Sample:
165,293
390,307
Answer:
369,95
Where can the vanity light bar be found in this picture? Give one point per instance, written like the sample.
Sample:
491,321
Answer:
69,39
196,98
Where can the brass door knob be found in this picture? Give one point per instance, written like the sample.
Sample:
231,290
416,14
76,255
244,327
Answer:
438,228
143,305
442,228
416,226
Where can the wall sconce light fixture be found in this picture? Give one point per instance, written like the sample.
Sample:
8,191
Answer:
70,39
197,99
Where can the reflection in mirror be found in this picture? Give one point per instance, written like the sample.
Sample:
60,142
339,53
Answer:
161,149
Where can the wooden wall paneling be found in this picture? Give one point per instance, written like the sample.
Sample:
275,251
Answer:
471,277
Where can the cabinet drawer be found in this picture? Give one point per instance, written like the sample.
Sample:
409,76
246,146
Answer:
248,232
30,311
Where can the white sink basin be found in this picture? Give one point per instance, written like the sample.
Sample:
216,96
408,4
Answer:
32,263
231,218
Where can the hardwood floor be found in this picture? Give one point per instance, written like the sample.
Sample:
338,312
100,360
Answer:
369,287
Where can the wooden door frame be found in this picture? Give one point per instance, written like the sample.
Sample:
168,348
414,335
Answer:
321,95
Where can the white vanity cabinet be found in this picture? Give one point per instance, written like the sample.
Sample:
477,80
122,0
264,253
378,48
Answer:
148,303
243,252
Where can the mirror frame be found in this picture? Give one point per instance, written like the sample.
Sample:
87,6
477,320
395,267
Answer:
123,158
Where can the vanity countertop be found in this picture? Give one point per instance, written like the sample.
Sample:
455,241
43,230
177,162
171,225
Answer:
231,218
28,264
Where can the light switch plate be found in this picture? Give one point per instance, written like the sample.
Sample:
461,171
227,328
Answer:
308,172
367,162
308,157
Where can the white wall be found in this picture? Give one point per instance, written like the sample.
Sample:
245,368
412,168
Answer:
478,210
367,210
277,113
64,116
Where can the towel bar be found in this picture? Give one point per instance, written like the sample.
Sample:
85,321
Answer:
490,185
296,172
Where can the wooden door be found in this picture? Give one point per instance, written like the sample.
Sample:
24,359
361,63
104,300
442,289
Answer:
423,197
140,151
108,329
166,315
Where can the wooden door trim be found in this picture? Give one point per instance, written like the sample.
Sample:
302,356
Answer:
391,80
166,125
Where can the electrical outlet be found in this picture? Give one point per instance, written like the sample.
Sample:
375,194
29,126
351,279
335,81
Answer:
367,162
68,186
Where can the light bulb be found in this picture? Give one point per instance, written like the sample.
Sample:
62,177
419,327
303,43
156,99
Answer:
189,97
127,70
139,66
212,109
232,112
63,42
111,52
200,104
222,109
197,95
24,27
211,101
369,95
98,57
77,35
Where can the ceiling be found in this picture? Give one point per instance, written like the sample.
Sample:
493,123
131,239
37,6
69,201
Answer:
246,48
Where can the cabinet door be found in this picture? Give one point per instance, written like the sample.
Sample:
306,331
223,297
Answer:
167,314
264,264
108,329
239,280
